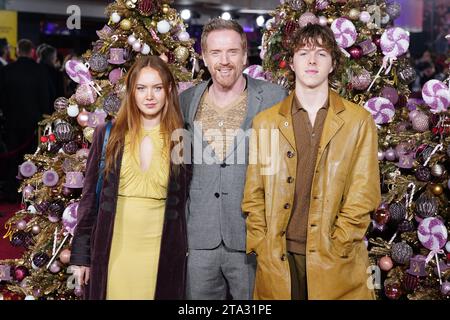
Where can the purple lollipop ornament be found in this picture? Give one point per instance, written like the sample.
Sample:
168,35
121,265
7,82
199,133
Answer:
432,233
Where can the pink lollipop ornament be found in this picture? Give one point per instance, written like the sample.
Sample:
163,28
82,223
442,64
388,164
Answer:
344,31
255,72
436,95
433,235
382,109
394,42
78,71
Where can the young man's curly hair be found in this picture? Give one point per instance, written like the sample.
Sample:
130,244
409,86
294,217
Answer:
316,35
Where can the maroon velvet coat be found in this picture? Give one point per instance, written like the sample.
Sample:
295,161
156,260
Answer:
93,235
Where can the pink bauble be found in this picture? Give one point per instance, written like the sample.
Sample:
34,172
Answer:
355,52
364,16
307,17
27,191
85,95
83,118
421,122
64,256
390,93
385,263
115,75
413,114
55,267
436,95
323,21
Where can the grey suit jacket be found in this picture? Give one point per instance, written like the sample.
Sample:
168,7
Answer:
214,205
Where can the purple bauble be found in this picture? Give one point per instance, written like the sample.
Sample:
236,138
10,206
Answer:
18,238
380,155
53,217
21,225
390,154
56,208
27,169
423,174
67,192
42,206
36,229
413,114
61,103
393,291
55,267
64,132
401,252
70,147
27,192
406,226
20,272
40,259
421,122
397,211
50,178
390,93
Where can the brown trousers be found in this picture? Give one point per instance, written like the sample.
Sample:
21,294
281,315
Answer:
297,266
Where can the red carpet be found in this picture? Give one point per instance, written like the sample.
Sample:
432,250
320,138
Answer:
7,251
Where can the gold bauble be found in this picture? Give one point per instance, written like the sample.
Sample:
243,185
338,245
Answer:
165,8
125,24
181,54
153,23
330,20
88,133
354,14
437,189
130,4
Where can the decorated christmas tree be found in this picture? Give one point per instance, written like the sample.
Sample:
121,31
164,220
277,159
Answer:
52,177
407,239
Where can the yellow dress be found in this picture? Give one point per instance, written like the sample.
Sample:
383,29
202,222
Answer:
135,248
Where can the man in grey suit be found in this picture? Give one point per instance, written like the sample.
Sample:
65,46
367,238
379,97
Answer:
217,113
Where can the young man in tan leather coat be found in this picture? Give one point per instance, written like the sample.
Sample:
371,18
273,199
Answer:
312,181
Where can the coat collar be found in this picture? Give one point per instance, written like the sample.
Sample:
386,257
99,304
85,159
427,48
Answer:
333,122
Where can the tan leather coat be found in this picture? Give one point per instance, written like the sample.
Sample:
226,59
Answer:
345,189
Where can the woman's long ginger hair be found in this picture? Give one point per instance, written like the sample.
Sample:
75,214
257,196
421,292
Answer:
129,117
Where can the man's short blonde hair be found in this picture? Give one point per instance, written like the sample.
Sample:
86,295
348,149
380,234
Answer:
221,24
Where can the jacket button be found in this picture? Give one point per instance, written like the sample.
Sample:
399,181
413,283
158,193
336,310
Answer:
313,225
283,257
216,194
315,197
290,154
223,165
287,206
290,179
282,233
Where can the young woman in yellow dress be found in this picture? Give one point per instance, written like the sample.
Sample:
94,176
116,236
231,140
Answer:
134,245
